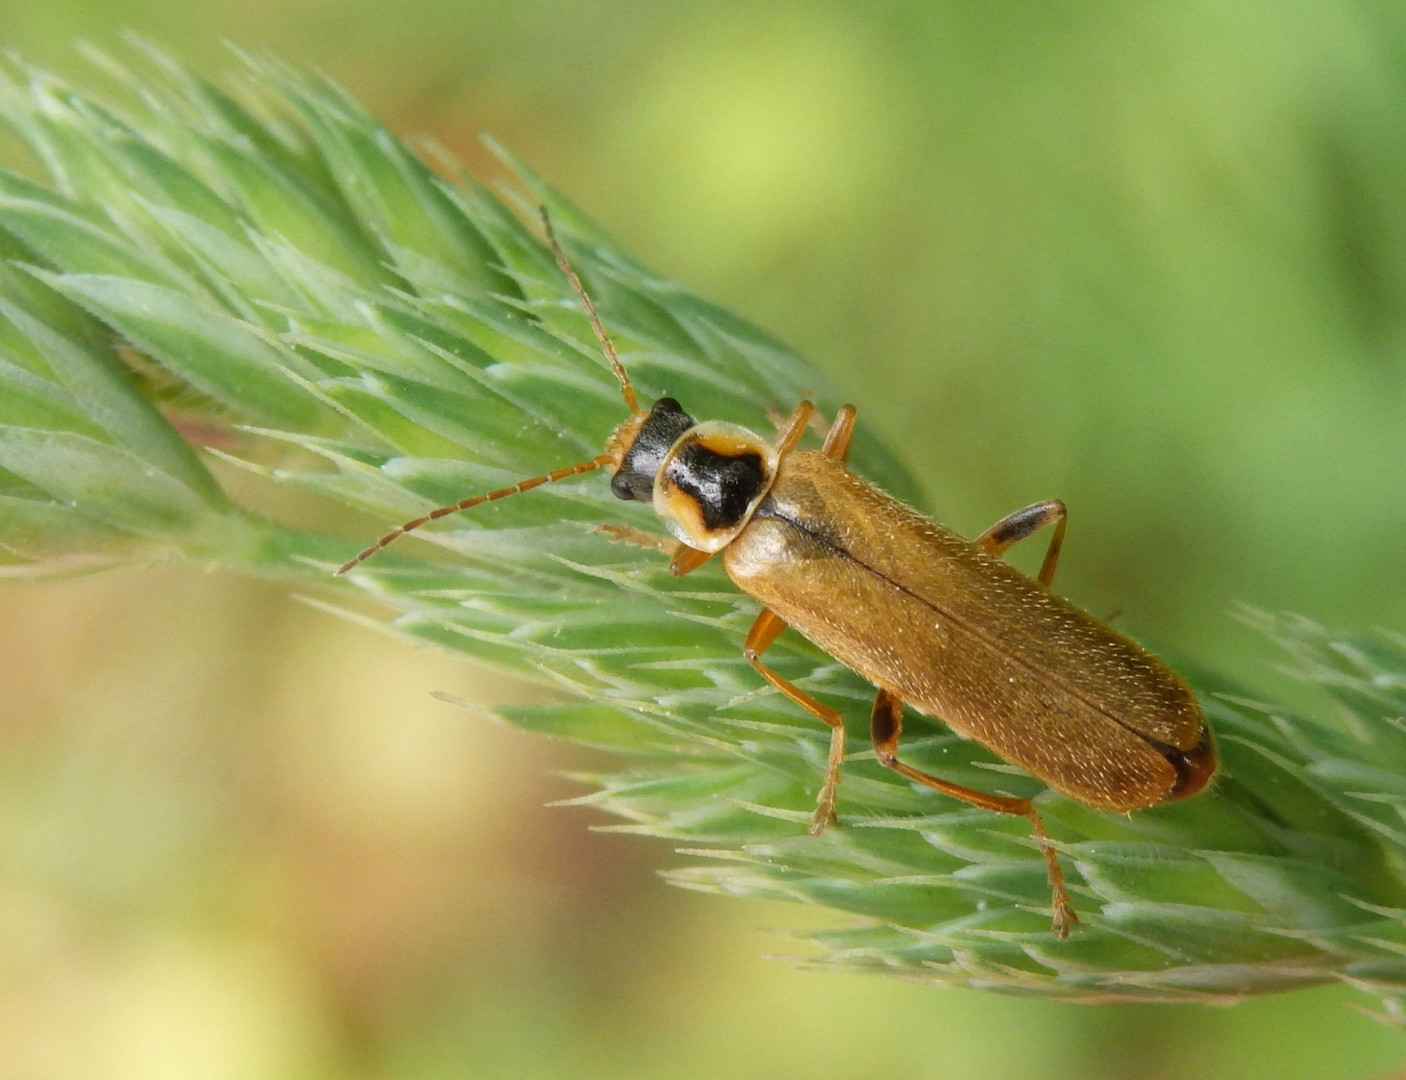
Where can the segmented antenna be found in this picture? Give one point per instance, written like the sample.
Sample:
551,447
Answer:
606,346
473,500
626,389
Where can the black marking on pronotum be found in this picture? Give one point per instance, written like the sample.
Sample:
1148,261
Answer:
662,428
723,485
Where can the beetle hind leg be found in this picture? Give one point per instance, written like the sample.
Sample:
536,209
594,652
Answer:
886,724
764,631
1016,527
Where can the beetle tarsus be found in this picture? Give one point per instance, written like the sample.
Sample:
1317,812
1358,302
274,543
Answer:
825,801
886,727
1064,917
824,815
627,534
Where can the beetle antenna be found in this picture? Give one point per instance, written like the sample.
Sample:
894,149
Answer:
605,343
473,500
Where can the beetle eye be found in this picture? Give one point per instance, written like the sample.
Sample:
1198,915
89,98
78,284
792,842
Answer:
639,464
626,485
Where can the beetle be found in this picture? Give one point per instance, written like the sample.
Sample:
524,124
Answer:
935,621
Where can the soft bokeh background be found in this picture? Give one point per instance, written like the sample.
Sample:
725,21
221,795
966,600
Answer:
1147,257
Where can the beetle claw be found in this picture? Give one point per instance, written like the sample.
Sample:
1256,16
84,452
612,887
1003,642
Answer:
1064,919
824,815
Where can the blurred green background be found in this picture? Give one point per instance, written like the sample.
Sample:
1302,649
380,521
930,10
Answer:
1147,257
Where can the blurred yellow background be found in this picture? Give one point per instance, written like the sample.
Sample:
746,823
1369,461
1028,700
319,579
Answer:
1150,258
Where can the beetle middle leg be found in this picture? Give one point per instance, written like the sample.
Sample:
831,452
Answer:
836,446
886,724
1016,527
764,631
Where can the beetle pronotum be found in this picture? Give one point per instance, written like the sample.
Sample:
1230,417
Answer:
933,620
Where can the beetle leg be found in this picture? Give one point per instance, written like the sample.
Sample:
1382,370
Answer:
1015,527
886,724
687,559
794,428
764,631
836,438
621,533
836,446
778,418
682,558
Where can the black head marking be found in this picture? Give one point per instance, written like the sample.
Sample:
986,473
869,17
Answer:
662,428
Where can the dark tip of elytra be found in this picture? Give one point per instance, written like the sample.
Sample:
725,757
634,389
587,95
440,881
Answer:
1194,767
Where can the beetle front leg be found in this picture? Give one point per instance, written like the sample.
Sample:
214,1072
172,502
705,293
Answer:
682,558
794,427
779,419
886,724
620,533
1016,527
765,631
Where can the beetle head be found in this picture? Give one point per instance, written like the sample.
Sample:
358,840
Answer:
640,445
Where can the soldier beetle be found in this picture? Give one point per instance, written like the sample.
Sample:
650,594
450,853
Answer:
935,621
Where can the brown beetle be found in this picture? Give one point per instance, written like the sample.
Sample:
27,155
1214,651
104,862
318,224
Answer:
933,620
